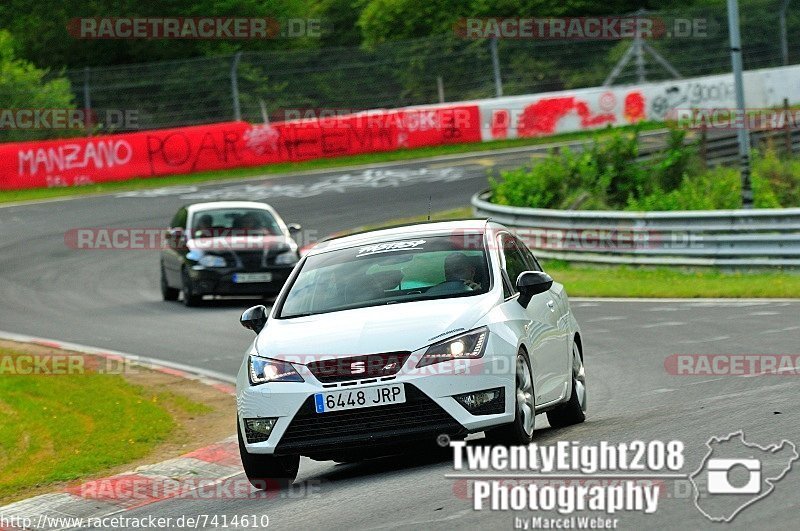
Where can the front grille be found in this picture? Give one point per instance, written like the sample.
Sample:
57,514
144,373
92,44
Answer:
251,260
358,367
339,431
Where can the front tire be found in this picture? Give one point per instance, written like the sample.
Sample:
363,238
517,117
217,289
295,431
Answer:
168,293
519,432
574,410
189,297
265,471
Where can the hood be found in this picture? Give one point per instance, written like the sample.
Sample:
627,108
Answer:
376,329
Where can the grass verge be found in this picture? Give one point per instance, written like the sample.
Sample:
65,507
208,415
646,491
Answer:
662,282
79,422
310,165
647,281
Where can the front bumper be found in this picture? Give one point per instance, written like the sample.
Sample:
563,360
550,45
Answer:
219,281
429,411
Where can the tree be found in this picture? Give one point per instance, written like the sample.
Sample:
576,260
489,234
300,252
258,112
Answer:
23,86
42,29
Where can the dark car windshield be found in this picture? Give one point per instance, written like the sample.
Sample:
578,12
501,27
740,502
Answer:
389,272
227,221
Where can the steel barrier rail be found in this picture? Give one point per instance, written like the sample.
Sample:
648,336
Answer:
735,238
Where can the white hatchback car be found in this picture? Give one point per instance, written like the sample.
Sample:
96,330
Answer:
386,339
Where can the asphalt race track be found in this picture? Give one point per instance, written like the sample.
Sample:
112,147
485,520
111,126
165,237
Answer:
110,299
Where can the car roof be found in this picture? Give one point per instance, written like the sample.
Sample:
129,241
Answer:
413,230
194,207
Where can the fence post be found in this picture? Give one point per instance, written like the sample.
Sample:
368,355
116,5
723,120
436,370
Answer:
638,50
738,84
787,131
237,110
704,144
784,38
87,102
498,81
440,88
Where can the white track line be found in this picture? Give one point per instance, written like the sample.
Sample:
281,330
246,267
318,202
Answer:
133,358
688,299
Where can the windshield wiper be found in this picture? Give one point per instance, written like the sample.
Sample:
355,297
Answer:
296,315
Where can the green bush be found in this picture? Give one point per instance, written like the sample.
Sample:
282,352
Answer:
22,86
716,189
608,176
776,183
603,176
781,175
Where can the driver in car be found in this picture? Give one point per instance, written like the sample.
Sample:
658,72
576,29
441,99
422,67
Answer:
459,268
204,226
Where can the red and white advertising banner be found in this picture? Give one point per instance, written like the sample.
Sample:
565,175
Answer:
184,150
78,161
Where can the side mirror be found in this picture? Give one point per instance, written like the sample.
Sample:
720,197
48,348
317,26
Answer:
175,236
294,228
530,283
254,318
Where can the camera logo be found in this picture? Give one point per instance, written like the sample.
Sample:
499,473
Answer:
735,474
720,483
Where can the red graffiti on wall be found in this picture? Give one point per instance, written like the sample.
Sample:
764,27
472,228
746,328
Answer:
500,121
634,107
541,118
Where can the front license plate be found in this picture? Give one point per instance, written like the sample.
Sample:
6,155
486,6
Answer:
358,398
247,278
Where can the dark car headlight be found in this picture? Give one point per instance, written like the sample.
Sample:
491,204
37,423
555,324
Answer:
286,258
470,345
265,370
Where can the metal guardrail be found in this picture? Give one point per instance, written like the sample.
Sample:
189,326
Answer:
723,148
714,147
728,238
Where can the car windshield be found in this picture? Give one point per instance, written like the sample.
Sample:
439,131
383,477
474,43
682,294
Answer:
233,221
389,272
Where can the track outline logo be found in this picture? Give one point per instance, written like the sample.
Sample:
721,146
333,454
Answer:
716,473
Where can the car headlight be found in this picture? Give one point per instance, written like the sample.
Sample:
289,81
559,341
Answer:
466,346
287,258
264,370
211,260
